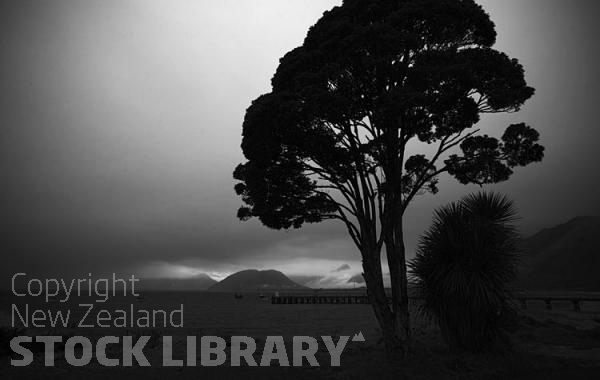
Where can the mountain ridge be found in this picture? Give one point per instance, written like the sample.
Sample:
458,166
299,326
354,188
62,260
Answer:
255,280
563,257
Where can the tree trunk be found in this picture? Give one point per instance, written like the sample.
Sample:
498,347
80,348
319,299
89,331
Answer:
393,238
396,256
377,296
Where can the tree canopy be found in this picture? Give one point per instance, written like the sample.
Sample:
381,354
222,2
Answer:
370,77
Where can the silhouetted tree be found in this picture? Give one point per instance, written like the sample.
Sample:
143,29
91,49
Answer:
463,267
373,77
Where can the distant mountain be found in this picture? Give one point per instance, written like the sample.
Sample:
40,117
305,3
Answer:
255,280
565,257
200,282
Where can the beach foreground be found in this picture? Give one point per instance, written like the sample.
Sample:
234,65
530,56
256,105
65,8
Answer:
558,343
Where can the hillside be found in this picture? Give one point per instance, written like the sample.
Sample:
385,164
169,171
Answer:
565,257
255,280
201,282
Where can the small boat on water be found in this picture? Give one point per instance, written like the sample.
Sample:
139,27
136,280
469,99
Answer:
139,298
238,296
262,296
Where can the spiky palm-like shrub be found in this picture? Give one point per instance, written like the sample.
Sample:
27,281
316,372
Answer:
463,267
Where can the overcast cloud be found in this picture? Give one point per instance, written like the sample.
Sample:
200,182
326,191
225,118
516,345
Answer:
120,126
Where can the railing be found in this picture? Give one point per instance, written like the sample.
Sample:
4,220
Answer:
328,299
311,299
548,299
523,299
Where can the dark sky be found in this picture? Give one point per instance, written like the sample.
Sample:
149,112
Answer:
120,125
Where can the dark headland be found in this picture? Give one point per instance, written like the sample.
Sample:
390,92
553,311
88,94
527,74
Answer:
256,280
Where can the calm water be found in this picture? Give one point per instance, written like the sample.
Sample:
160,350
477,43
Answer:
203,314
221,314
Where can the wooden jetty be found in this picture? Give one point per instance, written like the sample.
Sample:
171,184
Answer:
361,299
577,299
326,299
318,299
